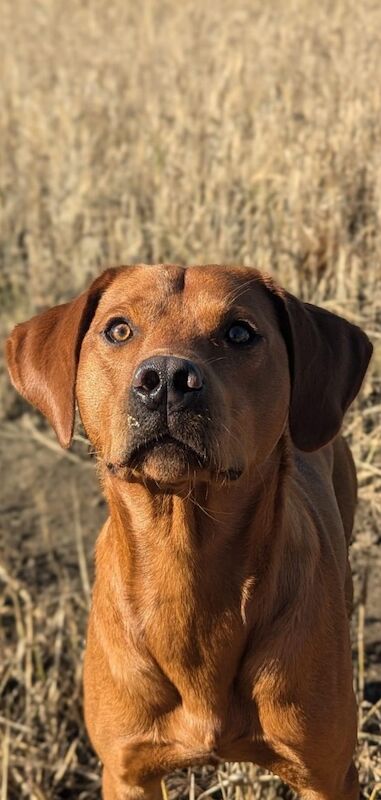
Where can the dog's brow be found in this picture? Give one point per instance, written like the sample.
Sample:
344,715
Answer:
238,290
239,312
129,306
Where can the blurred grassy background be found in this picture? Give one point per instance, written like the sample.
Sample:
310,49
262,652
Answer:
246,132
191,132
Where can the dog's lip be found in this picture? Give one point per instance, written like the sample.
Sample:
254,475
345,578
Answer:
138,453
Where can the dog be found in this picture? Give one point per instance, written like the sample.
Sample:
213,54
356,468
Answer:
219,622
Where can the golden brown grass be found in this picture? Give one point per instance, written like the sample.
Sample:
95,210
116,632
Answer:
187,131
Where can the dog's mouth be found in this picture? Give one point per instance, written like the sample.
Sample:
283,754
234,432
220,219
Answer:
163,456
164,445
169,460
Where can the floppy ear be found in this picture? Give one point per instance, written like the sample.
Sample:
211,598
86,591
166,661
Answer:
43,354
328,359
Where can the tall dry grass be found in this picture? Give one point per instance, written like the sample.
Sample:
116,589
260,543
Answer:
192,132
189,131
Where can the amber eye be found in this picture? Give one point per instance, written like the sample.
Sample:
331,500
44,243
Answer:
118,331
240,333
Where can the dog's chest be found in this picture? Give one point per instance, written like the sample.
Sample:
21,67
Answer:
195,634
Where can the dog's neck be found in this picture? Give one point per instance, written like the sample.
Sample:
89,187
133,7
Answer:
215,530
195,573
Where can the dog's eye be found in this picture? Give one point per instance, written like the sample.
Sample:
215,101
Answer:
240,333
118,331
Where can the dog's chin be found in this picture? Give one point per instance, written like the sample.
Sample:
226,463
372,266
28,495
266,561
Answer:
165,460
170,464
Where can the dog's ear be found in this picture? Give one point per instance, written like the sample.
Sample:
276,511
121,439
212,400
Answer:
43,353
328,359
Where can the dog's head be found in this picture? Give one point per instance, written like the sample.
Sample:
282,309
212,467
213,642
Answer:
189,373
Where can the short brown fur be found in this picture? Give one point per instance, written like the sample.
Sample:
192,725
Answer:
219,623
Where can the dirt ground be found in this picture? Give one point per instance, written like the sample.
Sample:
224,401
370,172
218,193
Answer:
51,511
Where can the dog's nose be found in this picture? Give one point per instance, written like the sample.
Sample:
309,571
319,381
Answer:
168,380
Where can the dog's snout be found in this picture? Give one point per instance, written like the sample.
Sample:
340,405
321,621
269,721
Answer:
170,380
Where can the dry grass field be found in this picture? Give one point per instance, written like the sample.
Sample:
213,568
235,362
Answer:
189,131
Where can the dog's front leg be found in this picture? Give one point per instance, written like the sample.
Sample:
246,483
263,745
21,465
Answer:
346,788
114,789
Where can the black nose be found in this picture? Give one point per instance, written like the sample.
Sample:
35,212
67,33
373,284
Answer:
168,380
